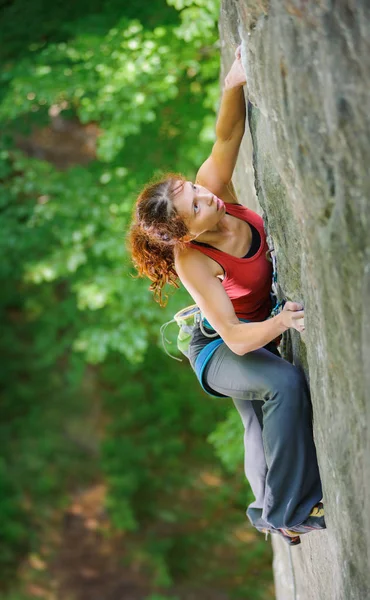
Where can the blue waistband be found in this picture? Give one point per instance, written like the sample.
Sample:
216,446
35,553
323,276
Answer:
203,359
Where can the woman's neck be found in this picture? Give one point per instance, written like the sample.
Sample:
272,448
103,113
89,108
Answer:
227,227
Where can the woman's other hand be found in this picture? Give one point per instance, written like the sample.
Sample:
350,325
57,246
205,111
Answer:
293,316
236,76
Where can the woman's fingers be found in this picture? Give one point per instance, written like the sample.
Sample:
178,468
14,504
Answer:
299,324
298,314
293,306
238,51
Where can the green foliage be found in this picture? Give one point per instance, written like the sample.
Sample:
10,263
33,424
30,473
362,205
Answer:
227,440
161,597
151,456
152,411
197,19
140,85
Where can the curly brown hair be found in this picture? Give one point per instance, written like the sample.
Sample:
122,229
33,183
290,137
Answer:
156,230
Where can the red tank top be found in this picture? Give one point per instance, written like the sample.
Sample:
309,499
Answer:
247,281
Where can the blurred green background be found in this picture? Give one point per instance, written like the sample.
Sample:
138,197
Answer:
119,478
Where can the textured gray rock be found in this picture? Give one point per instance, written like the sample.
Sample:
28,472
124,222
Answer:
308,72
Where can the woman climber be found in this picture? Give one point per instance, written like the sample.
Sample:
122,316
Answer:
198,232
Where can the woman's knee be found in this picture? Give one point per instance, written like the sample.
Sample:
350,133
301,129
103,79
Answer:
288,383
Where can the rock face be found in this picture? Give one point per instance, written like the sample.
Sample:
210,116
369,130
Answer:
308,73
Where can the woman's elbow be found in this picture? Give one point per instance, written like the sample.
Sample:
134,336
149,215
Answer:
238,348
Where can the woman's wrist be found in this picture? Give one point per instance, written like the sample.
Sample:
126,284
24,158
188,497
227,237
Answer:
282,326
231,85
232,113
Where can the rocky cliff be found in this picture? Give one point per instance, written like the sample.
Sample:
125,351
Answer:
308,72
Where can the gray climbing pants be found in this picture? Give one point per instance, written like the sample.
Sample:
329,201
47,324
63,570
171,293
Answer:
273,400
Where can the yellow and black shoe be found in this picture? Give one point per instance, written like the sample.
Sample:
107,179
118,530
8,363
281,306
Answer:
314,522
290,537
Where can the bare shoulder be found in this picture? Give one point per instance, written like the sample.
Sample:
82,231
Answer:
198,274
190,264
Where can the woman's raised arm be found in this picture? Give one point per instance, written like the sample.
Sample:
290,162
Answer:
216,172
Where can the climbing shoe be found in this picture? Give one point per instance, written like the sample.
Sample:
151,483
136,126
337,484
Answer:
315,521
290,537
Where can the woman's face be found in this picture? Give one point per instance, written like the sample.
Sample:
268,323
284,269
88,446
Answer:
200,209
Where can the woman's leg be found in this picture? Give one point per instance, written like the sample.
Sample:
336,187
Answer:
255,466
272,398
